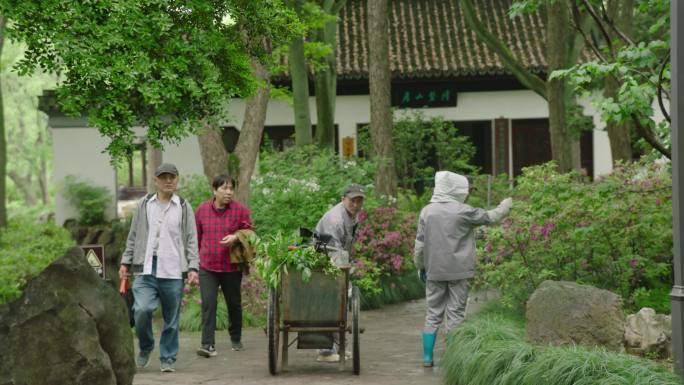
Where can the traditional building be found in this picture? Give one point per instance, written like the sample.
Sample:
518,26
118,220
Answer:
438,65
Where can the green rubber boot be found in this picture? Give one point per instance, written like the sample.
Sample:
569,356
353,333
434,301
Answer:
428,347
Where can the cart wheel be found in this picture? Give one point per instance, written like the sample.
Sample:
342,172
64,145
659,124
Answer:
356,307
273,332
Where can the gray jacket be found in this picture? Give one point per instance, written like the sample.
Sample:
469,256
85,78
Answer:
446,231
136,244
445,240
340,225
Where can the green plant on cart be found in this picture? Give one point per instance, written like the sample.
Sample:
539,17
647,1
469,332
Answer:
278,254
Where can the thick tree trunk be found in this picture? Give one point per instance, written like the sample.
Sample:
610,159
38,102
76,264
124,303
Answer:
212,150
252,130
3,143
325,81
154,160
380,108
622,11
559,43
300,88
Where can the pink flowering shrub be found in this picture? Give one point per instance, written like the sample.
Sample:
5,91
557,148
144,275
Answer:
615,233
384,243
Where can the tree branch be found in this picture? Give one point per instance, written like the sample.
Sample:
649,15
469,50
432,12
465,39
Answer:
596,18
531,81
649,136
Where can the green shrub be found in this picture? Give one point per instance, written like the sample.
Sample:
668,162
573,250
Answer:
195,189
26,249
90,201
393,288
422,146
254,300
490,349
615,234
294,188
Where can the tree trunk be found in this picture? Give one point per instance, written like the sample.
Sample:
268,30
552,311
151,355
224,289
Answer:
154,160
300,93
300,88
252,130
212,150
379,80
42,171
622,11
564,144
3,143
325,81
25,187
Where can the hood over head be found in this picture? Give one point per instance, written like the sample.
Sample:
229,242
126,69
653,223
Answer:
450,187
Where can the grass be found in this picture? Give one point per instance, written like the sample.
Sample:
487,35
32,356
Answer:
490,349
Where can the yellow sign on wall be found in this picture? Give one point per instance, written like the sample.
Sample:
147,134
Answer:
348,146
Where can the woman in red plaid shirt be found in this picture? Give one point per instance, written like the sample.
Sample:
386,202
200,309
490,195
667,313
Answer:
217,222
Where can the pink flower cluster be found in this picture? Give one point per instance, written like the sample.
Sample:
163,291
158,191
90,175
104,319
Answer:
385,238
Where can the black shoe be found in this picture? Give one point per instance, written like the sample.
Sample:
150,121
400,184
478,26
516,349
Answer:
207,351
237,346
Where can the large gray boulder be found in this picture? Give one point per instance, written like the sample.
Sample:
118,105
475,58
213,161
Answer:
68,327
566,313
649,333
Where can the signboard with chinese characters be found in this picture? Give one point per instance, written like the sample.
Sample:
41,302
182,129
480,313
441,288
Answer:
423,95
95,256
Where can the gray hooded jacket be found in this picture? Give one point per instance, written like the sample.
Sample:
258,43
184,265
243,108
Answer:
445,240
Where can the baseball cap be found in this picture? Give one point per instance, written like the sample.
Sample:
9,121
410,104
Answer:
166,168
354,190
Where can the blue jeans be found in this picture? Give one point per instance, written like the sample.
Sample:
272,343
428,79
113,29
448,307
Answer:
148,292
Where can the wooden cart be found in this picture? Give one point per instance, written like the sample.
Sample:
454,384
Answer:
314,310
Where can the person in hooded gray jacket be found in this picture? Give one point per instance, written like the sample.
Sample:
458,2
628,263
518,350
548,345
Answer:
444,253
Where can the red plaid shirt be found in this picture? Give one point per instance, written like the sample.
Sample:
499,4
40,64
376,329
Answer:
212,226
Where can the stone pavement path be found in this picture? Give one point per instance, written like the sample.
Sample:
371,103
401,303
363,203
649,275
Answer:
391,354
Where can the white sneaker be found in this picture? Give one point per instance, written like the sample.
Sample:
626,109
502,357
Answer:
328,358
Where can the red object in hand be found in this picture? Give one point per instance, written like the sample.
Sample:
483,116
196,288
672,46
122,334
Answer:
123,283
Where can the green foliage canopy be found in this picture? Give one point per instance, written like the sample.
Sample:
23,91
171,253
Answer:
155,63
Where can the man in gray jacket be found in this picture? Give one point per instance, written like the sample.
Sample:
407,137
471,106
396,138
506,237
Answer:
445,253
160,250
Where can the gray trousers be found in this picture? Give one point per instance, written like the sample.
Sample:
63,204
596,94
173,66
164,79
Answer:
448,297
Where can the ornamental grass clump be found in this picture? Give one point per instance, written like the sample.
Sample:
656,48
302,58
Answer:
490,349
615,234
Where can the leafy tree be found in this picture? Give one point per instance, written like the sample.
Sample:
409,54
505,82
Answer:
162,64
562,52
28,139
423,146
325,80
638,66
3,144
379,80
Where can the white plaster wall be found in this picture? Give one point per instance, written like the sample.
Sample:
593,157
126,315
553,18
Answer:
78,152
185,155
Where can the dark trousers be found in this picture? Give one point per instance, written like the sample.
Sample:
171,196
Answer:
230,286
